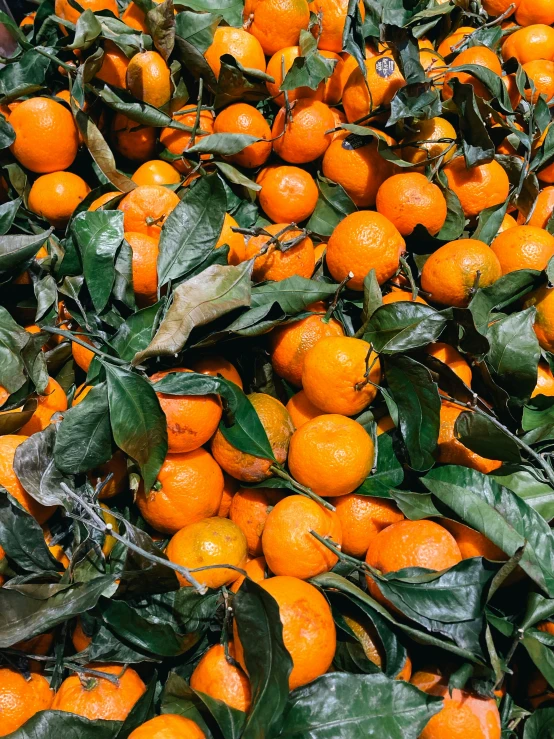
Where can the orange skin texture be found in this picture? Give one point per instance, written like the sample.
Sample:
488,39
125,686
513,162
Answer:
277,23
9,480
168,725
305,137
148,78
497,7
288,194
218,678
477,187
249,509
301,410
333,368
156,172
544,206
177,142
279,429
449,273
523,247
545,381
255,569
114,66
541,73
103,699
308,628
362,517
356,100
103,200
410,544
64,10
463,715
331,454
46,135
230,487
334,18
216,365
452,357
534,11
191,490
472,543
212,541
20,699
135,18
361,242
384,424
244,47
410,199
360,170
546,626
235,241
452,451
529,44
55,196
400,296
478,55
289,344
446,47
83,357
79,639
509,222
245,119
52,401
543,300
28,20
147,202
428,133
289,547
278,265
133,140
144,267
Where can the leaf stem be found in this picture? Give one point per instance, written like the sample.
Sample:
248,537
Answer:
90,347
302,489
332,307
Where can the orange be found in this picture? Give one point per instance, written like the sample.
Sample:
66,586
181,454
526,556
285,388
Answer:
290,342
541,73
301,410
384,79
546,626
46,137
498,7
144,267
216,365
146,207
428,140
235,241
446,47
305,137
509,222
230,487
114,65
188,489
278,427
450,273
21,698
368,636
97,698
480,56
148,78
534,11
9,480
64,10
177,142
332,25
545,381
542,211
543,300
530,43
288,194
117,468
361,242
135,18
212,541
276,23
331,454
408,200
401,296
82,356
250,508
241,118
452,357
477,187
244,47
220,679
360,170
156,172
133,140
334,375
191,419
51,401
362,517
55,196
103,200
472,543
308,628
256,570
288,546
523,247
463,715
28,20
276,264
410,544
538,690
168,725
451,451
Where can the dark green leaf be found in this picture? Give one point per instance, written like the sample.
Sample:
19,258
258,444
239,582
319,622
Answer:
224,144
236,82
24,76
87,30
477,146
538,495
403,326
293,294
197,28
49,725
540,725
389,472
136,332
503,292
332,206
479,434
16,249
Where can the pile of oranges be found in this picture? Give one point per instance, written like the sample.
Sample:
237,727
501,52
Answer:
368,224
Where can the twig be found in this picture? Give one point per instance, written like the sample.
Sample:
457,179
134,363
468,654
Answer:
90,347
198,109
331,309
301,489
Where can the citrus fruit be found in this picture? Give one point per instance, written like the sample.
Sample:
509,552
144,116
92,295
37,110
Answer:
276,23
542,209
256,571
144,267
545,381
249,509
55,196
301,410
241,118
333,13
529,44
134,17
114,65
156,172
220,679
541,74
132,140
543,300
480,56
449,355
362,517
529,12
523,247
428,140
477,187
244,47
472,543
363,95
408,200
367,635
9,480
280,257
305,136
21,698
288,194
451,451
67,12
177,141
230,487
51,401
148,78
235,241
216,365
146,208
168,725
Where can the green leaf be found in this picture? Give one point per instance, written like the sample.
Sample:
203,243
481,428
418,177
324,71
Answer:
7,134
87,30
192,229
477,146
310,68
542,656
49,725
138,424
332,206
490,221
503,292
197,28
12,340
479,434
224,144
24,76
231,10
16,249
178,697
8,212
142,711
389,472
491,81
236,82
140,576
136,332
403,326
540,725
538,495
418,100
292,294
